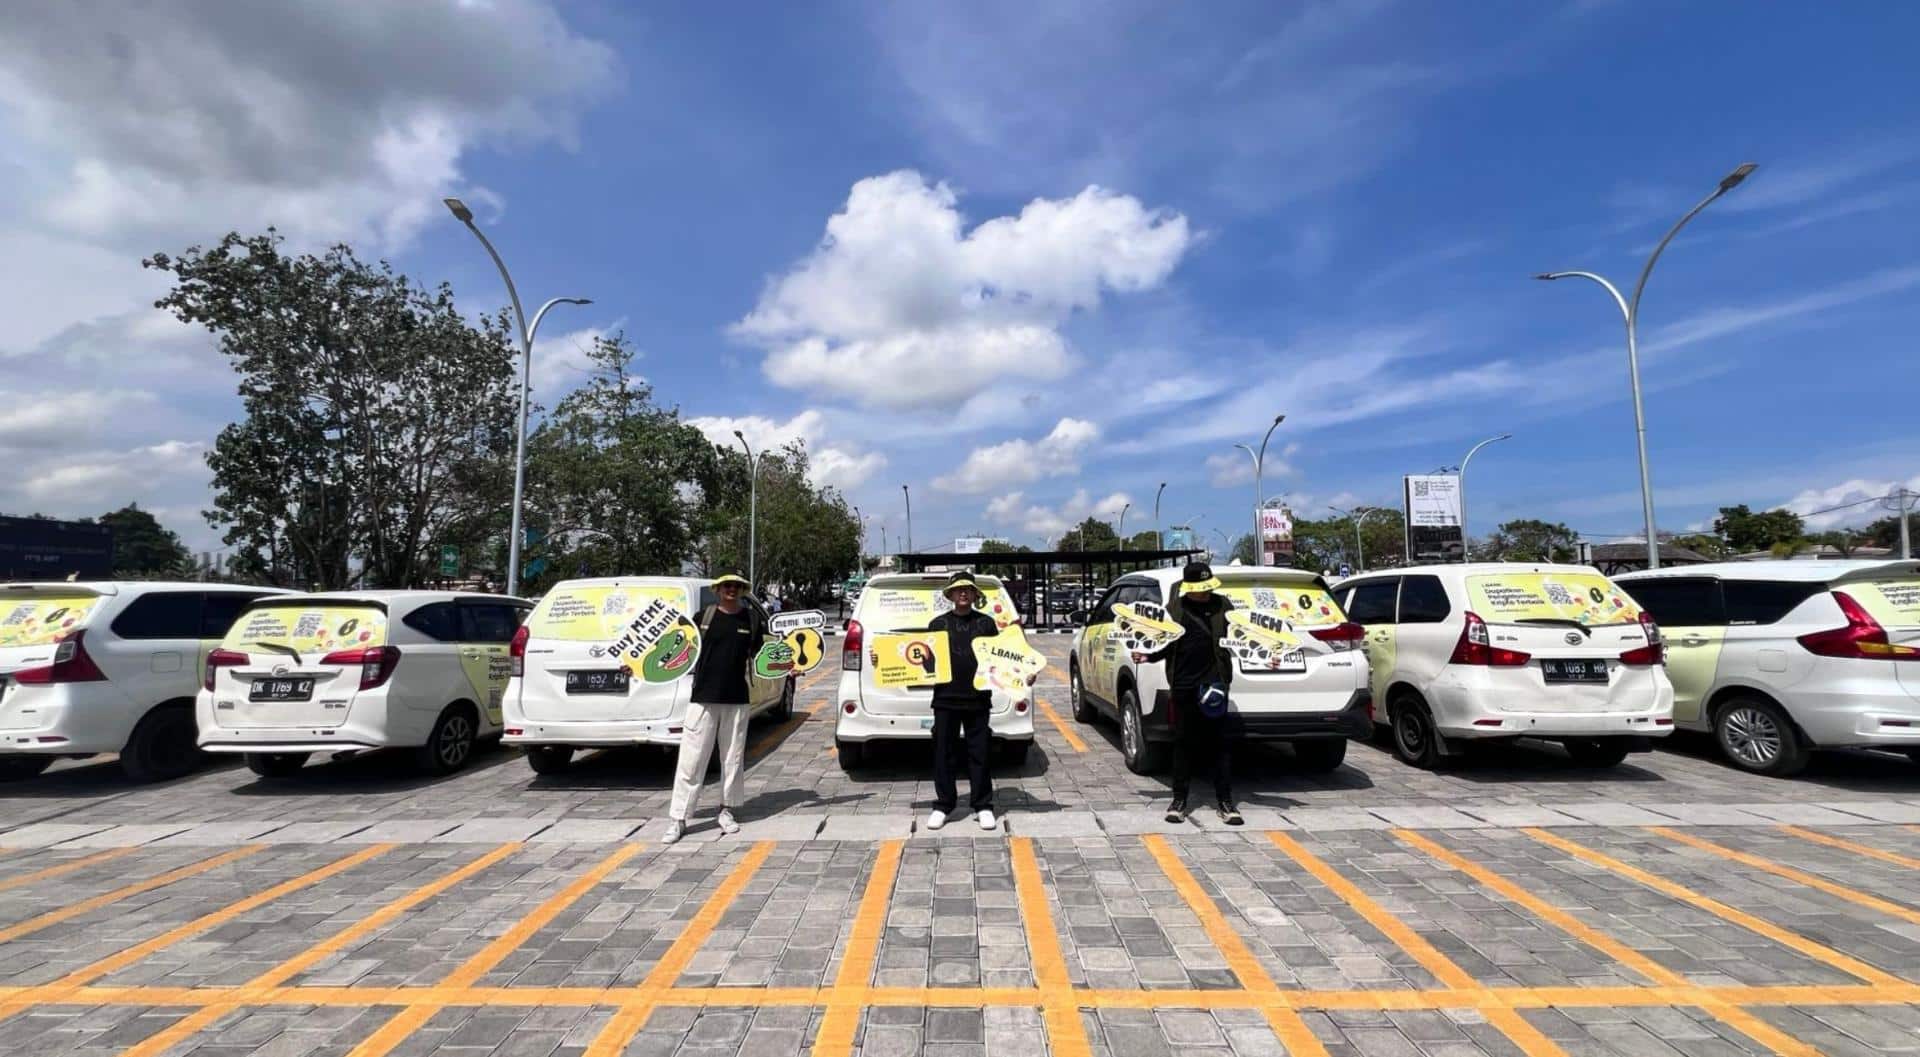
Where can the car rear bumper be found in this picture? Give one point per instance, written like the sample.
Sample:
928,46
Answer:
584,735
1352,720
65,719
1841,719
864,726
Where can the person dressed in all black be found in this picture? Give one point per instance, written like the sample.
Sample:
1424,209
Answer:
1199,666
960,723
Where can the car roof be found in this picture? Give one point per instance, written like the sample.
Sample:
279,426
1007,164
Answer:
391,599
924,579
627,581
1227,574
1782,569
114,587
1476,569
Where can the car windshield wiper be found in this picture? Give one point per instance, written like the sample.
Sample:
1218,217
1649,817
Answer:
1558,622
277,648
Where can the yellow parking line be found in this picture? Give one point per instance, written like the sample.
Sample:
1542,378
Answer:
63,869
842,1019
1066,1034
1286,1023
1839,891
626,1023
1858,849
1826,955
1067,732
1738,1019
1511,1024
54,917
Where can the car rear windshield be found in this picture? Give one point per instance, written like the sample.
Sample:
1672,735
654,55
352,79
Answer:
1894,603
1518,598
600,612
1306,605
306,627
36,620
910,607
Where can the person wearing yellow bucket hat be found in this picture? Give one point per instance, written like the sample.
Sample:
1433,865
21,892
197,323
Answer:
1199,671
718,706
960,713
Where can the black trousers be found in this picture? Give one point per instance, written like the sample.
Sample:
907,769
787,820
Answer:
1200,743
961,733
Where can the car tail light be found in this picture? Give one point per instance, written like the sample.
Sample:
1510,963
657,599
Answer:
1476,647
1654,652
1344,636
70,665
376,663
1019,706
219,659
856,641
517,650
1862,639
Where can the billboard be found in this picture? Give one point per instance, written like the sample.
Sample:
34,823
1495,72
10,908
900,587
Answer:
1276,536
1433,518
42,549
973,544
1178,538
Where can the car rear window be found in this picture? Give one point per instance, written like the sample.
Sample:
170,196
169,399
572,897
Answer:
1894,603
599,613
1511,598
1763,601
1306,605
910,607
39,619
304,626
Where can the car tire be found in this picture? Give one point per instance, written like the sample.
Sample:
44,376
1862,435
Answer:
1596,752
1914,755
852,754
276,764
1141,755
14,768
164,745
1015,753
1415,740
549,759
1755,735
1083,710
451,743
1320,755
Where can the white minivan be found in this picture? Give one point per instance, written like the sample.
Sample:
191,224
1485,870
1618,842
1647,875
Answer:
349,671
568,693
897,602
99,667
1779,658
1464,653
1313,697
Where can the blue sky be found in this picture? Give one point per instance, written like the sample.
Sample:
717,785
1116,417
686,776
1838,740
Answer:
1077,251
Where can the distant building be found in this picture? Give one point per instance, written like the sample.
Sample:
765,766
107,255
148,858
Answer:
34,548
1615,558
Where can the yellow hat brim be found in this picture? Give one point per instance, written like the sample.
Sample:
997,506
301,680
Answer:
1211,583
731,579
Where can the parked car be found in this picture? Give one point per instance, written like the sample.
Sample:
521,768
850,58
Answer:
351,671
1315,698
907,602
1464,653
1781,658
567,694
99,667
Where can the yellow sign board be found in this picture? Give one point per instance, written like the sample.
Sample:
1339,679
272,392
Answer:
1303,605
40,620
309,628
1259,639
914,658
659,644
598,613
1508,598
1007,662
1893,603
1144,627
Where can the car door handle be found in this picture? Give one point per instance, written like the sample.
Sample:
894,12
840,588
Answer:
1692,640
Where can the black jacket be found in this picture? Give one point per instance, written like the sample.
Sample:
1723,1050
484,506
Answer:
958,692
1196,658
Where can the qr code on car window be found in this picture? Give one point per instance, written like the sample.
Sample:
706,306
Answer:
615,604
1559,595
309,625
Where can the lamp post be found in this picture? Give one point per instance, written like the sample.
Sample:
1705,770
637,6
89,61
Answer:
1358,515
1159,538
909,497
1121,530
1259,493
465,216
1464,537
862,519
1630,311
753,509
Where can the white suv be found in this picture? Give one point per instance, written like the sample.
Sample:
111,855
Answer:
1315,699
1471,652
88,668
907,602
1778,658
351,671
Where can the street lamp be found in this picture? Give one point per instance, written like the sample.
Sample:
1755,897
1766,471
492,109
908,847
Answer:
1357,515
1462,486
465,216
753,509
1630,311
1121,531
909,496
1259,496
862,519
1159,538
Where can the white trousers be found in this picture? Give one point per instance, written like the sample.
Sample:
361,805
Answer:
706,725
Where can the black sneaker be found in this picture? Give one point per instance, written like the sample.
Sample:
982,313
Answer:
1230,814
1177,811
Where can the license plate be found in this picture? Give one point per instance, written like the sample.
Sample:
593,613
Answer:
1291,661
611,681
281,690
1587,671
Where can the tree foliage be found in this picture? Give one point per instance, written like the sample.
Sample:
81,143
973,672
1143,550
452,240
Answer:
808,539
1530,540
1329,543
1705,545
1745,530
142,547
1092,534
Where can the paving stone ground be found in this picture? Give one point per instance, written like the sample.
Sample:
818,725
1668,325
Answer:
1517,905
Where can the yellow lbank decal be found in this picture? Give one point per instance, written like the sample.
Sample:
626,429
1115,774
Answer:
1303,604
43,620
310,629
913,658
1259,638
1589,598
659,645
1894,603
1144,627
597,614
487,669
1007,662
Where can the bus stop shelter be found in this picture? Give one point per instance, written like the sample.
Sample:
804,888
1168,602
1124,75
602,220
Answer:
1023,571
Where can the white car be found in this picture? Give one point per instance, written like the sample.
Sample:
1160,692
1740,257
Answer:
1779,658
566,693
98,667
350,671
1469,652
896,602
1314,698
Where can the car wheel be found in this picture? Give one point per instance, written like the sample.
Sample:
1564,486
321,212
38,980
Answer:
784,710
1755,735
1914,755
14,768
851,754
450,745
163,745
1015,753
549,759
1596,752
1414,739
1083,711
1141,755
1320,755
276,764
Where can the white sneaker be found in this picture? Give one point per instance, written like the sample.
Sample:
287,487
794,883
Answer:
675,828
987,821
936,820
727,824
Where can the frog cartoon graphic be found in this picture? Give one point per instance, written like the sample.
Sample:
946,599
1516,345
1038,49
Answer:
671,657
774,661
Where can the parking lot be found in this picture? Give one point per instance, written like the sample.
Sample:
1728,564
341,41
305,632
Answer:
1514,905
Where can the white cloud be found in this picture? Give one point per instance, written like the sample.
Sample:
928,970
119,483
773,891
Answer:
831,465
561,364
87,481
900,307
1851,497
1050,521
1016,462
1233,469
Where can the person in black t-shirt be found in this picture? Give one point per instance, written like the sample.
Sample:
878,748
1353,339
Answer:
718,707
1196,665
960,712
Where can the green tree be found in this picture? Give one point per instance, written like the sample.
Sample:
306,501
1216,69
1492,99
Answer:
1530,540
1883,532
1706,545
992,547
808,538
142,547
377,421
1747,531
1092,534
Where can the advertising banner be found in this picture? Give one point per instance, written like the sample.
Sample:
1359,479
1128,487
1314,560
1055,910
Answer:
1144,627
1179,538
917,658
1007,662
1433,518
1276,536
